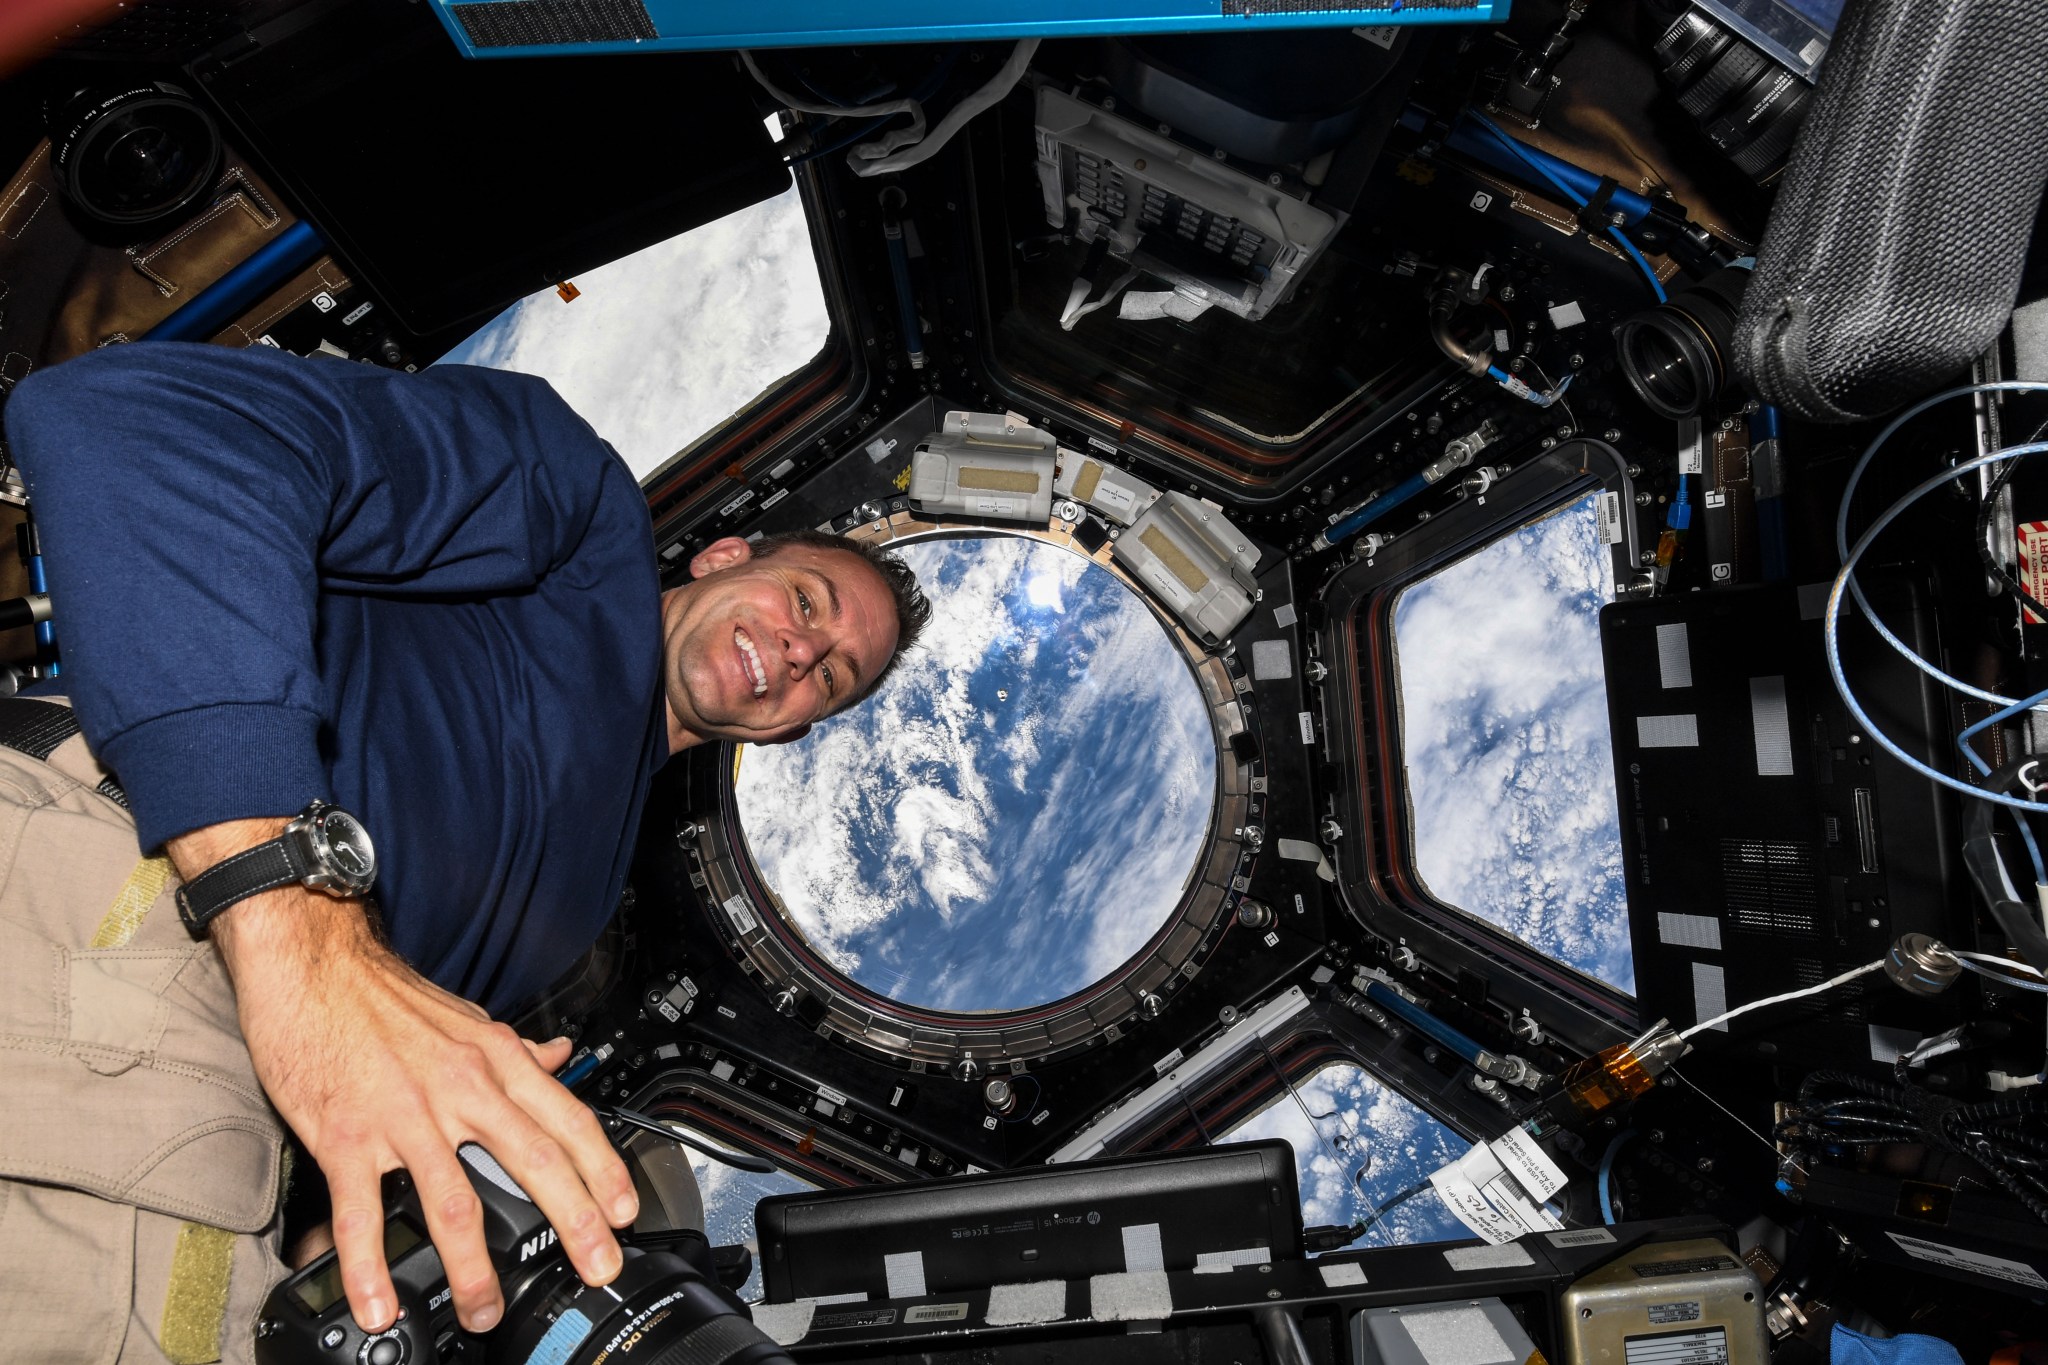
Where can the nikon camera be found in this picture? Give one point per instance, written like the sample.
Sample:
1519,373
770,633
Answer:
666,1305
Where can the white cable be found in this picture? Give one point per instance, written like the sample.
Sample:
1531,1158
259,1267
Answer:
1849,492
1845,582
1829,984
872,158
882,110
2029,968
2000,977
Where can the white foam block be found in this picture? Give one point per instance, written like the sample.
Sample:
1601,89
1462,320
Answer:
1463,1335
1487,1258
785,1323
1342,1275
1223,1262
1142,1297
905,1271
1014,1305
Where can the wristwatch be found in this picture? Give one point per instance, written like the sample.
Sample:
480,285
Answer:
323,849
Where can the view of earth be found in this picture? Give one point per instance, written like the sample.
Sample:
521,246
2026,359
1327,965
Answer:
1357,1144
1504,725
1020,807
661,346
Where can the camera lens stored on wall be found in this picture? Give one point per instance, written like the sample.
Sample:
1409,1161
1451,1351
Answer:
133,160
1748,103
1676,354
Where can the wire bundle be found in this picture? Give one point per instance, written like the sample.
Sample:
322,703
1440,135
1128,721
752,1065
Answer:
2008,1137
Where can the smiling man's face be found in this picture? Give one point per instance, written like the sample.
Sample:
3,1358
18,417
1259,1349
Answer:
756,649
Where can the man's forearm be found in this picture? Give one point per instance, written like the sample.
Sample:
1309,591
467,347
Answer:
277,933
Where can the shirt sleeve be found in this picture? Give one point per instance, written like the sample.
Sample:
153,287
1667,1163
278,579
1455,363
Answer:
194,504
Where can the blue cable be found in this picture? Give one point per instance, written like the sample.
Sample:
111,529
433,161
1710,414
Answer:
1984,770
1845,583
1579,200
1607,1175
1849,492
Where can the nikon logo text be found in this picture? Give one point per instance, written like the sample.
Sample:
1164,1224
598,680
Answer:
534,1246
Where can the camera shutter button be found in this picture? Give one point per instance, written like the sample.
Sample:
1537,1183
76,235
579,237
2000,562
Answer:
384,1350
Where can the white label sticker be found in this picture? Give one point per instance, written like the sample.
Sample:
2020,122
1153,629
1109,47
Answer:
1716,498
1308,727
1664,1314
1299,907
324,301
1975,1262
1170,1060
826,1092
1342,1275
1692,449
355,314
1381,36
1610,518
1706,1347
1223,1262
1567,314
1481,202
1581,1237
1461,1185
742,914
1529,1163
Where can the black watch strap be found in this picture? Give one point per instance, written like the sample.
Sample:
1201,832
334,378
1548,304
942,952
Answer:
250,872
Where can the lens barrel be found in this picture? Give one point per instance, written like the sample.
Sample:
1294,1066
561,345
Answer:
1675,355
135,159
661,1308
1747,102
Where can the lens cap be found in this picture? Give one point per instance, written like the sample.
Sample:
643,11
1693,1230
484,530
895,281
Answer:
134,160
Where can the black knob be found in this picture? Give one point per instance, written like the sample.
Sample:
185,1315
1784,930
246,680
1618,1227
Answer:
386,1351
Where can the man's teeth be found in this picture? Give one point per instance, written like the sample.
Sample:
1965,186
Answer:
752,658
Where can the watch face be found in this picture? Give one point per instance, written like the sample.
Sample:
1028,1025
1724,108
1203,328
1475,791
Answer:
346,849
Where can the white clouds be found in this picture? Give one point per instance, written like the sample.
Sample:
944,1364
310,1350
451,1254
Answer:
665,344
967,849
1505,732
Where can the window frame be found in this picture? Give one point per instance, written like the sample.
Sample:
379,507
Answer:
1377,877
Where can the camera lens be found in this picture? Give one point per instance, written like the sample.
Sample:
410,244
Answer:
661,1309
136,159
1675,355
1748,104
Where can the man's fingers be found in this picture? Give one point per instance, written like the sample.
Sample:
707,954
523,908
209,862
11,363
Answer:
550,1056
359,1240
455,1223
544,1170
569,1121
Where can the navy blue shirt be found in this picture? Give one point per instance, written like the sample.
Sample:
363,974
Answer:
430,598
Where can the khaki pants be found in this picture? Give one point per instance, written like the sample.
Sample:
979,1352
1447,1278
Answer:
140,1164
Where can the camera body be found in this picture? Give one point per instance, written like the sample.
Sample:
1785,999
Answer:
666,1291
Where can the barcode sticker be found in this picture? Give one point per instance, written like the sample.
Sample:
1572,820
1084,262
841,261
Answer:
1610,518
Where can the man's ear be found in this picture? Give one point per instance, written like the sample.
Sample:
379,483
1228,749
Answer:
788,736
724,553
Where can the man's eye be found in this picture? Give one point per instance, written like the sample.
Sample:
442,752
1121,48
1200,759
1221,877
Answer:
803,602
831,681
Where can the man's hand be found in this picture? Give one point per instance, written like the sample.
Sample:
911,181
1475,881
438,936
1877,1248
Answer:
377,1069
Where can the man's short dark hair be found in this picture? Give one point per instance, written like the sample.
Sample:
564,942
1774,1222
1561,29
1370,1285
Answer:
913,608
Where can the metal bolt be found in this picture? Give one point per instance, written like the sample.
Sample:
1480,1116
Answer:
1315,671
785,1003
1274,179
1611,434
1617,219
1656,1135
1272,1293
1574,361
1153,1006
1254,914
1330,830
1227,1016
966,1069
999,1095
1644,499
1507,293
1648,558
1705,1165
1431,1055
1404,957
1528,1031
1635,471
